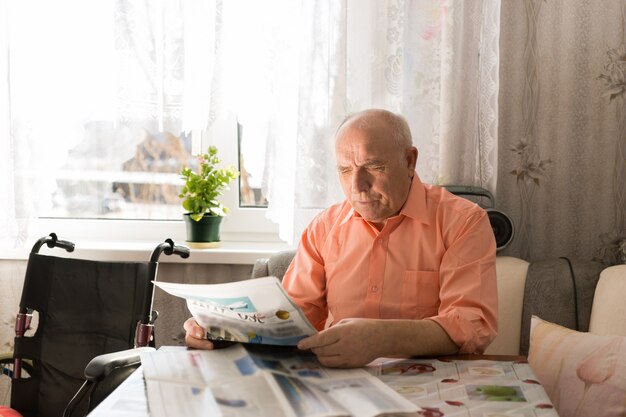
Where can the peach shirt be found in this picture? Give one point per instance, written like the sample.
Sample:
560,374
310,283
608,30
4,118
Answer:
434,260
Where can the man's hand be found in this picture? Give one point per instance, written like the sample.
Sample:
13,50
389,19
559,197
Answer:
195,335
356,342
350,343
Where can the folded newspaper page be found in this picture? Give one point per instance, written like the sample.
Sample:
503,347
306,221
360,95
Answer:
238,381
251,311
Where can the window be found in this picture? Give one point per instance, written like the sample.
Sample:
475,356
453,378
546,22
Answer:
251,166
108,107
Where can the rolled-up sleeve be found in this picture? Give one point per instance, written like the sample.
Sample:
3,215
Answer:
468,309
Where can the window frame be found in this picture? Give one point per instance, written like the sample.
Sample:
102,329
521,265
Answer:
241,224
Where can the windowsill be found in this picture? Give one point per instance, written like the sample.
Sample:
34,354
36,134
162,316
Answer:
227,253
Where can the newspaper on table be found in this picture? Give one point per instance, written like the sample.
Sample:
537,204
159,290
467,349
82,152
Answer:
468,388
251,311
238,381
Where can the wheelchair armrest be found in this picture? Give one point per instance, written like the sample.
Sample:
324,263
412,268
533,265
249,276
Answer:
101,366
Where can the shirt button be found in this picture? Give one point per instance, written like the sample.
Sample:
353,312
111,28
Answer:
374,288
381,241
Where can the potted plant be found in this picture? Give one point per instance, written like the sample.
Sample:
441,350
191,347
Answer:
200,194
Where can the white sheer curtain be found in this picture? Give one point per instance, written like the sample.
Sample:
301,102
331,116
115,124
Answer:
31,100
89,77
436,62
7,216
289,70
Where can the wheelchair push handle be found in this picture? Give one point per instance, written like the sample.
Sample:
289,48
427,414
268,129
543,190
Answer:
53,242
169,248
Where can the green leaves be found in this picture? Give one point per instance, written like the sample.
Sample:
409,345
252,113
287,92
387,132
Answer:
204,185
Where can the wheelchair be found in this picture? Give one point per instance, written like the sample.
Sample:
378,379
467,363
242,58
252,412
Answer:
81,309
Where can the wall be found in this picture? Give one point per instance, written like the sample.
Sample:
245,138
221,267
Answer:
11,281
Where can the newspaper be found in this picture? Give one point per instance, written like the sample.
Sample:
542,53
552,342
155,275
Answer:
476,387
238,382
251,311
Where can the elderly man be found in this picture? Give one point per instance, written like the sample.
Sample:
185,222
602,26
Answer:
399,268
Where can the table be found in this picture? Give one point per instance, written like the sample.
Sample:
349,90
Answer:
457,385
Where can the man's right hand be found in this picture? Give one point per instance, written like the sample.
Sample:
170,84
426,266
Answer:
195,336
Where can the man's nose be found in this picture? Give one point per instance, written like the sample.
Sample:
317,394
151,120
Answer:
360,181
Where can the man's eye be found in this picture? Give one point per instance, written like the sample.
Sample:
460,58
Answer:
344,170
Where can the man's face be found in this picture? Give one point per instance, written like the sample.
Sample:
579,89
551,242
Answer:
375,174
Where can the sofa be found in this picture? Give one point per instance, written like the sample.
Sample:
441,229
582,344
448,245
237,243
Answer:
558,290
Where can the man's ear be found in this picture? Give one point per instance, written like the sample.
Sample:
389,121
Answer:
411,160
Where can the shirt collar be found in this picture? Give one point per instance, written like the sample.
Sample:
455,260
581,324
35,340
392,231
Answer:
350,214
415,205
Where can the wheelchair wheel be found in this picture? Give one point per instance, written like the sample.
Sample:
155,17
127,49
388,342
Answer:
6,373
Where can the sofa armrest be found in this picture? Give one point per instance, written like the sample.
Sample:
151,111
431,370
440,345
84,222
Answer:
259,269
608,311
511,274
276,265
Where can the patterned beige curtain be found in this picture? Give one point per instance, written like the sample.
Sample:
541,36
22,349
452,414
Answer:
562,131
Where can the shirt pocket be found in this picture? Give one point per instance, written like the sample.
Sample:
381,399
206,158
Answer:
420,294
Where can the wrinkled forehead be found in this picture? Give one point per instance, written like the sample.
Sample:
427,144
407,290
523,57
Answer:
355,143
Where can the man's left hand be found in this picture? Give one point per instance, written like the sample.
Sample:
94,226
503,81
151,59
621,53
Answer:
350,343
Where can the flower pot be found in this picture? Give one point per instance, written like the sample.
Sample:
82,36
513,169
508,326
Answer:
206,230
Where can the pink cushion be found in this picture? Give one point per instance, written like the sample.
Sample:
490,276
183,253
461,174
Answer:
584,374
8,412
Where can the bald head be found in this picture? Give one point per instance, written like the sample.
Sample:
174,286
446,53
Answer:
376,163
394,125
